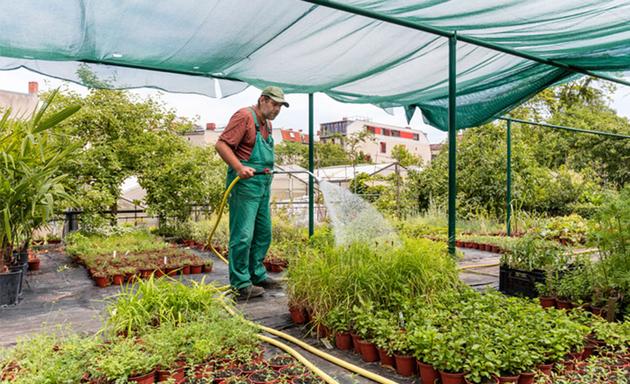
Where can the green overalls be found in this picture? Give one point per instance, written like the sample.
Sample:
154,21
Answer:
250,217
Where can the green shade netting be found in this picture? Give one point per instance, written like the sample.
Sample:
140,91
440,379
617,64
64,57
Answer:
185,46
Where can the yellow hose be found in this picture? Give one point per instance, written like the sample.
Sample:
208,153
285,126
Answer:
478,266
209,241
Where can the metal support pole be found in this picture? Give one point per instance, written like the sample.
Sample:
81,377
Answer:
452,139
509,177
311,222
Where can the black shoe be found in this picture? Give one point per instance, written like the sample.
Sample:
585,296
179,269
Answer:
248,292
270,283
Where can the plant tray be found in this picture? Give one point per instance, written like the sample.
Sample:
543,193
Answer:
517,282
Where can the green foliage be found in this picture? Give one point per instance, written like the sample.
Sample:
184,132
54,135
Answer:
33,186
404,157
110,240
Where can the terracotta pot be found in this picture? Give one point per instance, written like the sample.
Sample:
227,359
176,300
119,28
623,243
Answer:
203,370
185,270
596,310
101,281
343,340
249,368
33,264
158,272
493,380
298,315
508,379
196,269
458,243
561,304
355,342
207,268
294,371
405,365
132,277
544,369
475,246
276,267
171,271
495,249
201,246
589,349
482,247
468,244
452,378
547,302
149,378
191,243
368,351
279,362
234,372
428,373
118,279
527,378
386,358
577,356
176,373
259,356
566,365
145,273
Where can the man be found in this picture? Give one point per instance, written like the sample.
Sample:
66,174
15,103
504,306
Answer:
246,146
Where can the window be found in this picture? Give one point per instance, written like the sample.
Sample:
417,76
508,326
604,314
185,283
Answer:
416,137
383,147
395,133
386,132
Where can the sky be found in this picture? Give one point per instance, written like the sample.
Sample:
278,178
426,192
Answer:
219,111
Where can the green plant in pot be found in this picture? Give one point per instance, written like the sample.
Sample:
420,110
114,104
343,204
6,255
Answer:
33,188
121,359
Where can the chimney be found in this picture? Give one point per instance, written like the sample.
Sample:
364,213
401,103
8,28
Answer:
299,130
345,118
33,87
408,127
290,129
210,126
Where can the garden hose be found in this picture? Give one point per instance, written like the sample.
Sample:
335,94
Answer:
344,364
478,266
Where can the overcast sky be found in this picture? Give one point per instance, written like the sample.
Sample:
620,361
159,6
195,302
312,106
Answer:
219,110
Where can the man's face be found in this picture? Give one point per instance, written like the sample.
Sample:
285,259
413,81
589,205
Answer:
269,109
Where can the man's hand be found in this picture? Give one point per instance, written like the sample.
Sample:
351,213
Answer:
245,172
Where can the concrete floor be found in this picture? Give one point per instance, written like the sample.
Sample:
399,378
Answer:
61,293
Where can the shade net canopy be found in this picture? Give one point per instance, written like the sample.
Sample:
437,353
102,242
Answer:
219,47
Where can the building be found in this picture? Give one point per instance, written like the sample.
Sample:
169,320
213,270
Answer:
211,134
21,104
387,137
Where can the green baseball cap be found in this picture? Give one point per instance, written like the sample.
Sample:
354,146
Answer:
275,94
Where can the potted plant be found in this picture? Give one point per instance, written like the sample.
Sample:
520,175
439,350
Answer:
31,167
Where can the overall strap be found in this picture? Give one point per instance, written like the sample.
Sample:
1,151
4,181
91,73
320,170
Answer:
255,119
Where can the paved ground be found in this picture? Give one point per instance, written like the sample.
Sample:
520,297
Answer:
61,293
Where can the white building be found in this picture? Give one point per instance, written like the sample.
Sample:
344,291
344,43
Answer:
387,137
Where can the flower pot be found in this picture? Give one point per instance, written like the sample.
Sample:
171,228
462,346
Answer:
101,281
405,365
492,380
207,268
250,368
203,370
475,246
495,249
547,302
482,247
276,267
545,369
132,277
149,378
298,315
176,373
355,342
452,378
343,340
458,243
294,371
561,304
368,351
196,269
386,358
118,279
527,378
267,265
508,379
225,374
145,273
468,244
307,380
428,373
185,270
158,272
577,356
279,362
565,365
589,349
21,268
10,287
259,356
33,264
171,271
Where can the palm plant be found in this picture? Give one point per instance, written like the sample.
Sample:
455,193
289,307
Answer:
30,184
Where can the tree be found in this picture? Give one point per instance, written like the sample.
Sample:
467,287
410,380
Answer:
404,157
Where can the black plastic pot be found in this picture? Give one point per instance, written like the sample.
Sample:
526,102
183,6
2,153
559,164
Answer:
23,268
10,287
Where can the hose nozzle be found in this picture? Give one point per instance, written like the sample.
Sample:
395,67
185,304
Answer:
265,171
